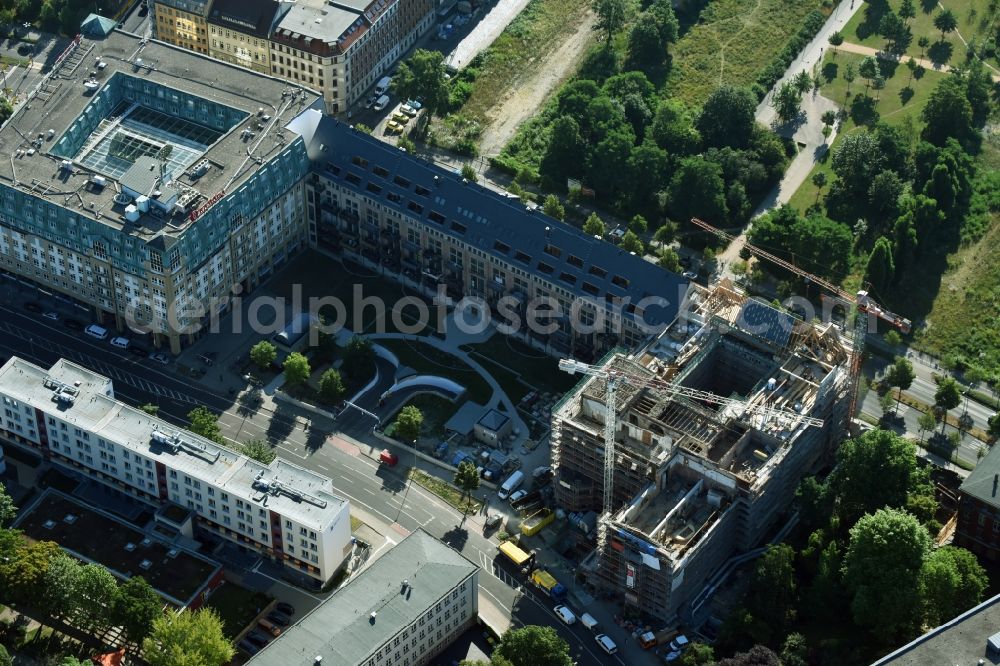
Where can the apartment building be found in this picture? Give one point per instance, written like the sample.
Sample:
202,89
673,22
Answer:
699,480
238,31
341,48
405,608
182,23
70,416
978,526
429,228
152,190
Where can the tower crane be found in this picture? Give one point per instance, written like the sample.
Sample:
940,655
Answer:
614,377
862,302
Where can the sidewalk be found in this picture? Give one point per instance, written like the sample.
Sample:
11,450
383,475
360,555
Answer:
850,47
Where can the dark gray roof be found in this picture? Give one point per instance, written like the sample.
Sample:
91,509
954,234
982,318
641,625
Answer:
253,17
340,630
493,420
767,322
498,225
983,483
959,641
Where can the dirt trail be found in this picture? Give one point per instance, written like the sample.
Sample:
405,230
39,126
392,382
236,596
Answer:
524,99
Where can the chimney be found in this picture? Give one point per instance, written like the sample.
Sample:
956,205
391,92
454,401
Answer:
996,481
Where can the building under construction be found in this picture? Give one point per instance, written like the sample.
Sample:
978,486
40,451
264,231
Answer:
697,482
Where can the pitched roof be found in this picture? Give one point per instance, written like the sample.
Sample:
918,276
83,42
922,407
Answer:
984,483
500,225
252,17
341,629
96,25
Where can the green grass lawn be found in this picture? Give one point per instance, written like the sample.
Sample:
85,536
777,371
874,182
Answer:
446,491
436,411
894,106
731,43
974,20
426,359
516,360
237,606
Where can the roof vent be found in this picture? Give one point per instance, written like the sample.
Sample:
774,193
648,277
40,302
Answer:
145,564
371,618
147,542
70,518
172,553
49,524
130,546
318,659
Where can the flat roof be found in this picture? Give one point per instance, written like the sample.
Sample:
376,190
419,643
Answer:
176,574
160,75
340,629
959,641
501,226
299,494
316,19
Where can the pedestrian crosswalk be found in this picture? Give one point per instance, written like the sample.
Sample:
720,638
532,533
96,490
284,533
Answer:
115,372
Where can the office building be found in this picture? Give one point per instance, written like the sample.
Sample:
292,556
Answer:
70,416
182,23
405,608
697,481
426,226
148,184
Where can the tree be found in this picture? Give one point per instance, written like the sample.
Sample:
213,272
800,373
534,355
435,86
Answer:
819,180
358,357
869,70
874,470
257,449
892,27
856,161
836,39
263,354
638,225
205,423
698,190
953,582
923,42
632,243
150,408
553,207
886,403
880,269
697,654
727,118
469,173
787,102
892,338
645,50
95,593
946,22
947,113
669,261
422,75
927,422
467,477
331,386
535,645
993,427
297,369
849,78
7,509
62,581
612,15
882,568
24,567
195,638
673,128
795,651
772,591
947,397
900,374
594,226
907,10
758,655
408,424
136,607
5,659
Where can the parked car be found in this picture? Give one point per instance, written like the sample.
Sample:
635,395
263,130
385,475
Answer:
408,110
248,647
137,351
370,101
414,104
73,324
160,357
401,118
388,458
286,608
392,127
690,275
517,495
279,618
493,521
565,614
258,637
606,643
381,103
51,314
32,307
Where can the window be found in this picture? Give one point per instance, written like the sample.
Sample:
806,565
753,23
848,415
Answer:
598,271
620,281
553,251
573,260
435,216
544,267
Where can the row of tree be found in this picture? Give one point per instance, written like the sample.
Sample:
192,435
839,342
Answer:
49,585
869,560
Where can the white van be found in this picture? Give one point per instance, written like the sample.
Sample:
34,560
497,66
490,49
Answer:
511,484
120,342
96,331
565,614
383,85
381,103
588,621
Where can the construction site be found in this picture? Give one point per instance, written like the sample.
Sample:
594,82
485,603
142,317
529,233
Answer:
712,425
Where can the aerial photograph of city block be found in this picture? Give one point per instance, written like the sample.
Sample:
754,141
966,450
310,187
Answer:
499,332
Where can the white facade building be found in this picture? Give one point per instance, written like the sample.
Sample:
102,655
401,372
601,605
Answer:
69,414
